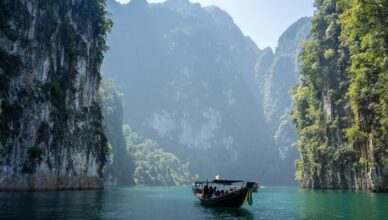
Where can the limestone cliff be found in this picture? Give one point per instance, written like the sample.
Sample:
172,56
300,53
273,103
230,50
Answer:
276,73
134,159
50,123
120,166
340,105
187,74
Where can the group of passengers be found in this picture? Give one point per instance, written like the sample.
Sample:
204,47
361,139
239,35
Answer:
209,191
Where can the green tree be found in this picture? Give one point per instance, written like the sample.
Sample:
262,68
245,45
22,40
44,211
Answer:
340,105
153,166
365,33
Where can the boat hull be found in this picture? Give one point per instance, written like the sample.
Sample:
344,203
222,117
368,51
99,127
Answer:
231,200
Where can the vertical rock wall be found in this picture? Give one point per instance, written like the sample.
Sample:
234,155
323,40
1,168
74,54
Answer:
50,123
119,167
340,105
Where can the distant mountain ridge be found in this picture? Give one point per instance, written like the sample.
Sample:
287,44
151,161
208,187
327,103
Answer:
276,74
188,75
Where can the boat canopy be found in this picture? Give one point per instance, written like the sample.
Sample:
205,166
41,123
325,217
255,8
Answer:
227,182
223,182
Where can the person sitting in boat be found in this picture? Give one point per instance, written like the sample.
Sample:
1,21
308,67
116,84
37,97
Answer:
215,190
211,191
205,190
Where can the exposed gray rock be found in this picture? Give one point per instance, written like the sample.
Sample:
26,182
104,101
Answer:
276,74
187,74
50,123
120,167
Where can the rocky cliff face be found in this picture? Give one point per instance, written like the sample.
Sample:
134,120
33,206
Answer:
340,105
187,74
276,73
50,123
134,159
120,167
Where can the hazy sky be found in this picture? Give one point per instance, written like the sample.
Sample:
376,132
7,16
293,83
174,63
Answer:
262,20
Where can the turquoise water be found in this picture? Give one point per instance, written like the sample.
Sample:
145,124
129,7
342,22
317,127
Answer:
179,203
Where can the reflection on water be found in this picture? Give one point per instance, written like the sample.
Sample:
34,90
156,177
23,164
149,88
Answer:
51,205
178,203
224,213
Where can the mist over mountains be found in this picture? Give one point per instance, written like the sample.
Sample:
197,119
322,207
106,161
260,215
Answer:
276,73
204,91
185,92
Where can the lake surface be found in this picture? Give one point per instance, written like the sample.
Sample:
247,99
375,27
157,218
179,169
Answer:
179,203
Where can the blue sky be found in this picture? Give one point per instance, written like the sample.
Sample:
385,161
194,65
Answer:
262,20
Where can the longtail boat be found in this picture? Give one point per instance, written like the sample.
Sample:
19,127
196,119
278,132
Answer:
228,193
